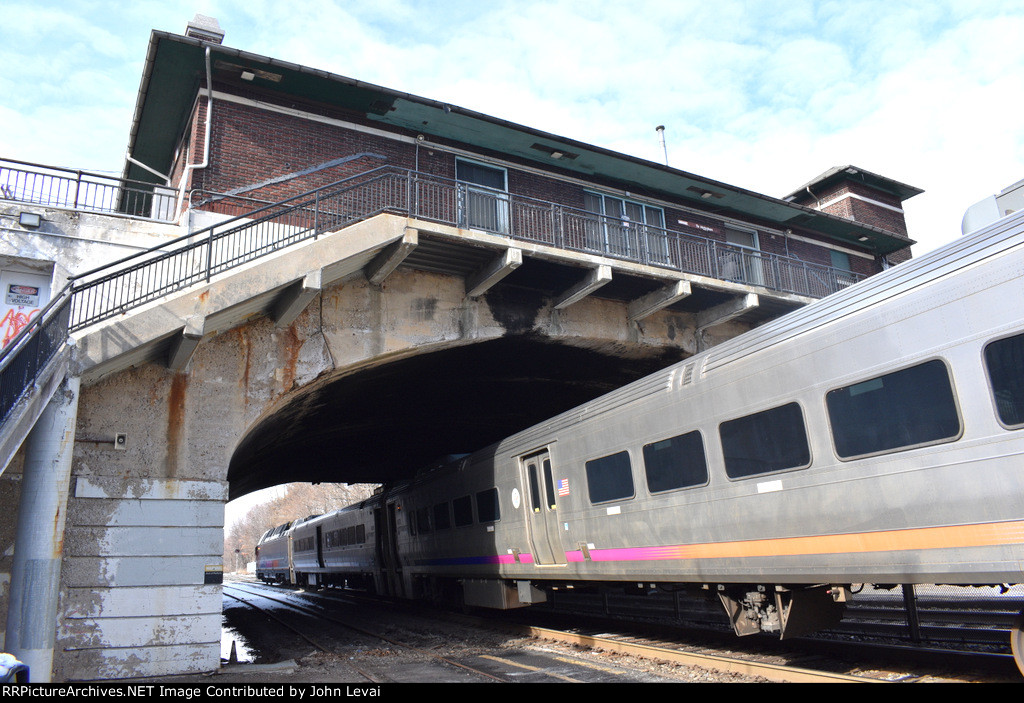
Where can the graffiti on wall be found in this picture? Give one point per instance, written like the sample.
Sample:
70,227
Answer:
14,322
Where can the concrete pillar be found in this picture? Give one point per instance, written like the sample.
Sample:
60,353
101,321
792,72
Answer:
35,575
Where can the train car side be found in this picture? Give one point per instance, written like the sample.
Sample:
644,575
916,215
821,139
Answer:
273,555
857,440
872,437
336,549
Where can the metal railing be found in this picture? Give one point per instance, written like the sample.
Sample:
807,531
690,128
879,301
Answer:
51,186
28,353
136,280
143,277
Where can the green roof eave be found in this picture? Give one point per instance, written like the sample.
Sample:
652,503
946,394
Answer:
175,70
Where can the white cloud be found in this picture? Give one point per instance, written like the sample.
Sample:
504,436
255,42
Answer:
763,94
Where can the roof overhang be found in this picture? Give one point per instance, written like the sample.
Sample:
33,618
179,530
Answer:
857,174
176,66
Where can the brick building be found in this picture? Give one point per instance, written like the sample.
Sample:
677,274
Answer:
234,131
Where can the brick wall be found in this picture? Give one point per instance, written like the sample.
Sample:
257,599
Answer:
268,156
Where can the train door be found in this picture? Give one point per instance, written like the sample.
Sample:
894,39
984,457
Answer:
320,546
542,510
395,572
390,581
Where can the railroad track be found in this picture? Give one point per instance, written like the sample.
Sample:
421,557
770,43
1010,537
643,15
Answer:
750,665
247,594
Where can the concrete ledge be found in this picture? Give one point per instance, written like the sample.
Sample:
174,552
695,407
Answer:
230,298
30,406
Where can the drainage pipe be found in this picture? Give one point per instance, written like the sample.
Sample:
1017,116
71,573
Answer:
206,141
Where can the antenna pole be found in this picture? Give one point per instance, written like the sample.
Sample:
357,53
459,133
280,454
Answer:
660,129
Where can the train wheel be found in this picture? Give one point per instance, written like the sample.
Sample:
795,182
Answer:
1017,641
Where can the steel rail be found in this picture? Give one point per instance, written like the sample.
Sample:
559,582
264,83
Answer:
364,631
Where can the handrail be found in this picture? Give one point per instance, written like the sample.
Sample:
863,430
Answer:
139,278
30,350
54,186
186,260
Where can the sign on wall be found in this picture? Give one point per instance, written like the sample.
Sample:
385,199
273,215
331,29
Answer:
24,295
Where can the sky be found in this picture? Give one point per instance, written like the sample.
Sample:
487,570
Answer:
760,94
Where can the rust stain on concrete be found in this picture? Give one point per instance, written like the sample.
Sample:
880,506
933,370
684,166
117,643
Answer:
175,421
243,342
290,355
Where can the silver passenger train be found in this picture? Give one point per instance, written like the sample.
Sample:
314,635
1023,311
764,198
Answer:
875,436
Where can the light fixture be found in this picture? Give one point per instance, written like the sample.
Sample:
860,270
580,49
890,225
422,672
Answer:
248,75
30,219
862,238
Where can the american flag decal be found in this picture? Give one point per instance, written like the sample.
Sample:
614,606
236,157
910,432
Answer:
563,486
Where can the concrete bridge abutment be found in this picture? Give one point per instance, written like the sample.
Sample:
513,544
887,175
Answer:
366,383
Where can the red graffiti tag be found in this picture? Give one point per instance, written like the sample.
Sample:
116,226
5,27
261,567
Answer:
14,321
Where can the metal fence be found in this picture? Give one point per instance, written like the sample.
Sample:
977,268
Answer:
183,262
28,353
116,288
79,190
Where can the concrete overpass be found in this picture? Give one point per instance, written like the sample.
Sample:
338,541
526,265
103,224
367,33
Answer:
357,354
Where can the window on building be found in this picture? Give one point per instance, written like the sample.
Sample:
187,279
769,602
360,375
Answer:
771,440
627,228
840,260
1004,359
676,462
609,478
903,409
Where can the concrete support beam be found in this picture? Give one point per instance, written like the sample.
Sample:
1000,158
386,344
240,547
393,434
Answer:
720,314
657,300
38,545
484,279
392,257
593,280
186,343
296,297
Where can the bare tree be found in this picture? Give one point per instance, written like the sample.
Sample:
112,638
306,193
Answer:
298,500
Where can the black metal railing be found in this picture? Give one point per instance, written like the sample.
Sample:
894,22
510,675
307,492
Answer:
136,280
27,354
52,186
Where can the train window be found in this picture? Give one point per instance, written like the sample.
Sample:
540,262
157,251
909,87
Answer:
360,534
442,519
423,521
676,462
610,478
462,511
771,440
303,545
549,484
487,505
534,489
1004,359
902,409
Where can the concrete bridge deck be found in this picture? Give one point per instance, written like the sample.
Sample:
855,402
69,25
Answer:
356,356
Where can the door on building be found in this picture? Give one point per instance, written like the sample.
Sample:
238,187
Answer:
24,296
482,196
742,261
542,510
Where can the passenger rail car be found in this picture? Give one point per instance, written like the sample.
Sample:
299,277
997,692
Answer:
875,436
